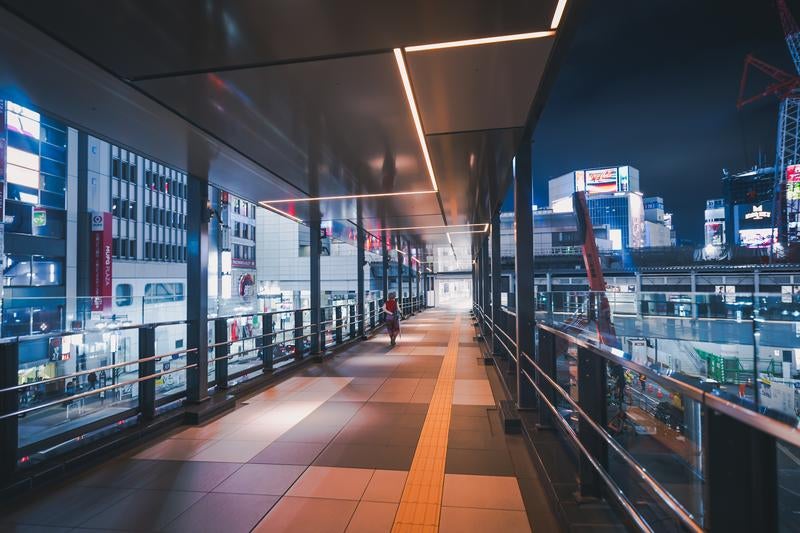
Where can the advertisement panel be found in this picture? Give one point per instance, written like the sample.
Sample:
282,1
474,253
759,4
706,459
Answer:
580,180
793,183
101,261
755,238
715,233
601,180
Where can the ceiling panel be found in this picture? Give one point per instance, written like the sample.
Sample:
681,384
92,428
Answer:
472,170
478,87
136,38
330,127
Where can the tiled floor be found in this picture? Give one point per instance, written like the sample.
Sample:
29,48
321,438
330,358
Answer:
328,450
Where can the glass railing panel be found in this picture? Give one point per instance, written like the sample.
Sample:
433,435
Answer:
170,339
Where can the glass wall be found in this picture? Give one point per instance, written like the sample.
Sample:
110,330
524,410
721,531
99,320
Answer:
373,277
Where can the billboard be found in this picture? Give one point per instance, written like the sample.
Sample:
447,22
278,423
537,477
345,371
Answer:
755,238
715,233
793,183
601,180
101,262
580,180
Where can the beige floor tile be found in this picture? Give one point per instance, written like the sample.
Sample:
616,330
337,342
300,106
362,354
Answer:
230,451
332,483
484,492
385,486
261,479
212,431
466,520
464,399
307,515
472,387
260,433
174,449
373,517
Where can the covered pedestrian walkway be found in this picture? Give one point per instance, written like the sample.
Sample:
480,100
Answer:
372,439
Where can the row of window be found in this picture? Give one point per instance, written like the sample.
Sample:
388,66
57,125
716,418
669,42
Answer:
164,217
153,293
160,251
244,208
241,251
244,231
172,186
32,271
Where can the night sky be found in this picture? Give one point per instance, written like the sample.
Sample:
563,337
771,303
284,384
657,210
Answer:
654,84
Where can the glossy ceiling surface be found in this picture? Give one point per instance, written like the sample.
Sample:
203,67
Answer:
307,96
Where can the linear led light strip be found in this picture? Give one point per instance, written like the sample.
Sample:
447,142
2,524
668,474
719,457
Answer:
482,40
408,228
344,197
401,66
281,212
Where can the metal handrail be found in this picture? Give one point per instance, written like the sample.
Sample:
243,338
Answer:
94,391
754,419
665,496
89,371
614,489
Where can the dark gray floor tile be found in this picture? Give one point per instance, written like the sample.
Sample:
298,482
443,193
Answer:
475,440
262,479
122,473
290,453
144,510
473,423
479,462
304,432
24,528
231,513
69,506
197,476
367,456
469,410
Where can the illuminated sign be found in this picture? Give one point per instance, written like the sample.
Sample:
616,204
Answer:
757,213
580,180
601,180
793,174
755,238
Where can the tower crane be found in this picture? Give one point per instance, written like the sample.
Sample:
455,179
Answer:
786,86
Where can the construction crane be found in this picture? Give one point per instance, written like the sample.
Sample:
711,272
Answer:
786,86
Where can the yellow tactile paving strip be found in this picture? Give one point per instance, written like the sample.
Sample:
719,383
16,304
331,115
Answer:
421,502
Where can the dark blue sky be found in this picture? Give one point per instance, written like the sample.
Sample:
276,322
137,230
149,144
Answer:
654,84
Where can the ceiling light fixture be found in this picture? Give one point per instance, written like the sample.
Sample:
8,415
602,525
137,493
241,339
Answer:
408,228
401,66
559,12
484,40
281,212
345,197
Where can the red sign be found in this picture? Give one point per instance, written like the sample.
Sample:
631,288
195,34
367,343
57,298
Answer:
101,262
602,180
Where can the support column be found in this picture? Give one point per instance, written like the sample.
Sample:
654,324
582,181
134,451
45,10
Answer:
592,385
399,277
410,275
523,223
496,280
487,281
9,403
385,259
317,346
197,220
361,238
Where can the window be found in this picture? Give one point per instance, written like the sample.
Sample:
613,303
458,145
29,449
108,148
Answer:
124,294
35,271
163,292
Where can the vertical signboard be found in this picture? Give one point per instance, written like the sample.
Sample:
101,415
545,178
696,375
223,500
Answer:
101,261
793,202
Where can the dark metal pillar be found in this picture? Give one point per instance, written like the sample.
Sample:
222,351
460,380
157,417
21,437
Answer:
741,471
267,328
487,286
197,220
315,285
592,385
9,403
221,352
496,281
147,367
410,277
298,336
361,239
400,299
546,358
523,220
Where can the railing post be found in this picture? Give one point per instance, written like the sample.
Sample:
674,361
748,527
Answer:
9,403
740,477
317,338
592,382
147,387
221,352
338,323
298,336
381,312
496,280
546,359
372,316
354,320
523,220
268,341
